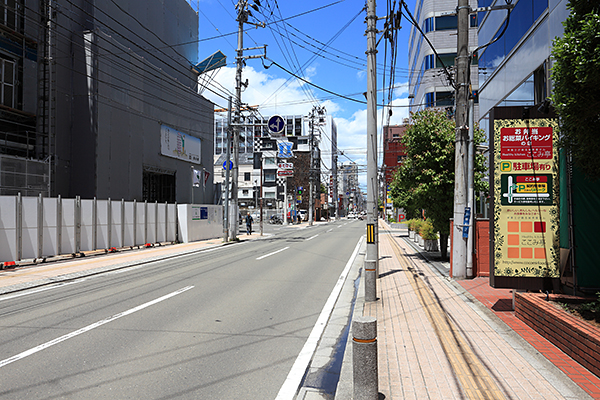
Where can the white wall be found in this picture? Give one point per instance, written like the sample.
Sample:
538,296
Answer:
36,227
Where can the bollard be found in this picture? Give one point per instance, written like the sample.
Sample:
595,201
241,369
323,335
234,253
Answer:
370,281
364,358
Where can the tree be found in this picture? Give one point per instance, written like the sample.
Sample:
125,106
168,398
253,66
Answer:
576,79
425,180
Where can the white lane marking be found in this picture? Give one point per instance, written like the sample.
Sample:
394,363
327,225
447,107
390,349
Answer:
294,379
312,237
270,254
32,291
329,230
89,328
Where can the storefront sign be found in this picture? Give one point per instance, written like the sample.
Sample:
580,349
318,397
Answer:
525,191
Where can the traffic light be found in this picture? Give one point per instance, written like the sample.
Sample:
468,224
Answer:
300,190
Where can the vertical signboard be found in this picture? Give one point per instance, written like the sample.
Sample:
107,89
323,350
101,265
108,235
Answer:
525,223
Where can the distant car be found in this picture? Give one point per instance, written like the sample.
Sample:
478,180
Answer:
351,215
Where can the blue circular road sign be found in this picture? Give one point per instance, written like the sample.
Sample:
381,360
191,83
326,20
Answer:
225,165
276,124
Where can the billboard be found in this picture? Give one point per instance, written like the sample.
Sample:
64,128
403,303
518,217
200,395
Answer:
525,191
179,145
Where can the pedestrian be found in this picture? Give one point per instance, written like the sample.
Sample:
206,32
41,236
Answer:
249,221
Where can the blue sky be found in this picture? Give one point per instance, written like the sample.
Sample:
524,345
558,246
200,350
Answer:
325,42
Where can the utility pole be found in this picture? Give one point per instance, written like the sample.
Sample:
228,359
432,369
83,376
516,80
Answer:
372,186
242,18
315,116
311,200
227,164
239,62
459,244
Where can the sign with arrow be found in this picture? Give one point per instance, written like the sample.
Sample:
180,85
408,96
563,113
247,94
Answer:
276,124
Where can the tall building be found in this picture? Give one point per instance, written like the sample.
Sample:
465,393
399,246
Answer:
104,100
515,70
394,151
350,195
429,85
255,138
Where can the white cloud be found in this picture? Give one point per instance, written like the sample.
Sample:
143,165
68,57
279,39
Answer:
311,71
274,95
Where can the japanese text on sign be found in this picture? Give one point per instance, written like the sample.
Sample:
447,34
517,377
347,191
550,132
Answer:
525,143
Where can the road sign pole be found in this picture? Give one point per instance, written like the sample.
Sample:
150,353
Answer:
285,201
228,160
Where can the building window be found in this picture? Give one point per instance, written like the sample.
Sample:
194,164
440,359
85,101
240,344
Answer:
269,195
446,22
428,25
539,84
270,177
473,21
269,160
9,13
298,126
429,61
7,77
444,99
446,58
429,99
247,176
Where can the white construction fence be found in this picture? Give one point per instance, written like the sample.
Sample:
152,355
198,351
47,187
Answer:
40,227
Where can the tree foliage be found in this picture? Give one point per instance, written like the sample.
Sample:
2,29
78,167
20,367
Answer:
576,78
425,180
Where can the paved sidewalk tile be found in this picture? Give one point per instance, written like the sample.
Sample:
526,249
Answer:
499,301
433,343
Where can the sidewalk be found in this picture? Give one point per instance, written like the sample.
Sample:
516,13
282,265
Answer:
96,262
443,339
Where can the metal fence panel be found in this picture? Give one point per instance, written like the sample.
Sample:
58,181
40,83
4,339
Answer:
129,220
151,218
50,225
68,242
8,228
140,226
102,226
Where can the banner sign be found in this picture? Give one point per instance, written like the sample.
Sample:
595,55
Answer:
525,202
285,165
179,145
285,172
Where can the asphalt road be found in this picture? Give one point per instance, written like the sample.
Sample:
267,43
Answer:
226,323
